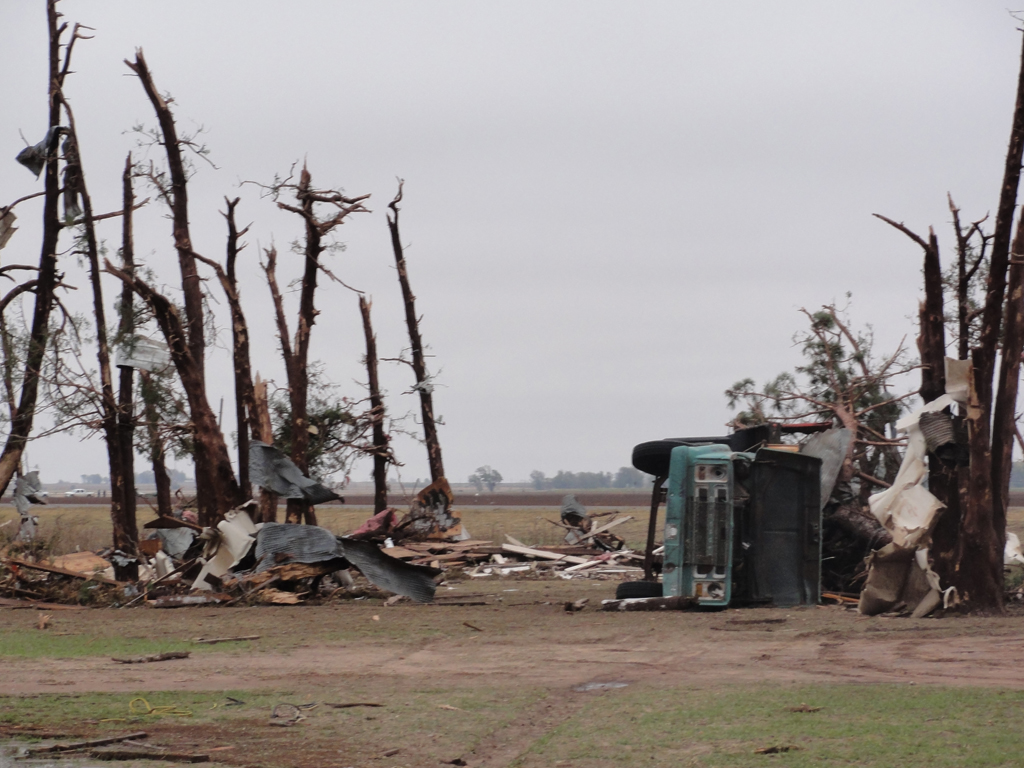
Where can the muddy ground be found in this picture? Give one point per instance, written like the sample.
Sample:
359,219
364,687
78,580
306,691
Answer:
520,649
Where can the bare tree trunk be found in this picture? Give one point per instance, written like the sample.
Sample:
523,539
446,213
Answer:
943,479
207,434
263,432
978,545
125,416
380,440
156,446
1005,417
295,509
240,351
980,562
125,530
21,425
298,382
296,356
177,198
419,367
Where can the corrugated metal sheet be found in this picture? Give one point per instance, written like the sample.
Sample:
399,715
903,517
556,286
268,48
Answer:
278,543
392,574
831,447
271,469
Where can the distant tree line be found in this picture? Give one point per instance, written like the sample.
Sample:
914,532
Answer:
147,477
626,477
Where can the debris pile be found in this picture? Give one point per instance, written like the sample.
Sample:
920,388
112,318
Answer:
242,562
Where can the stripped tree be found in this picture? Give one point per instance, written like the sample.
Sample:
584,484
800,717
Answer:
424,384
296,352
971,534
46,277
380,450
173,189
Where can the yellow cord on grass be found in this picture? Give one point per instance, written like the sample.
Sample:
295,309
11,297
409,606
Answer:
143,708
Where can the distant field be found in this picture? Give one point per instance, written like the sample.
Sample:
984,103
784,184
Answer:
519,498
87,526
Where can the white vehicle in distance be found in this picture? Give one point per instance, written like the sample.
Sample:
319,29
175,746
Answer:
78,493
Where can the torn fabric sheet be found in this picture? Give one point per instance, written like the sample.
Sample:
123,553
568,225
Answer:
269,468
27,491
908,509
7,227
1012,554
900,575
145,354
34,157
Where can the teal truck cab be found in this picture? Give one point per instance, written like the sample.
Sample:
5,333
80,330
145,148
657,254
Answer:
742,520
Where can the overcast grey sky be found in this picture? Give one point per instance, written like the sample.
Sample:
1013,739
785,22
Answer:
613,210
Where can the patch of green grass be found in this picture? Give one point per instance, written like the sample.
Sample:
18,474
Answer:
878,725
32,643
431,722
114,710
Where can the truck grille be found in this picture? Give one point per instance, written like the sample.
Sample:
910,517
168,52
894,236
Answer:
705,534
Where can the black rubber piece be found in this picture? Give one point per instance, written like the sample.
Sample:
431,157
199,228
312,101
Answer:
654,457
630,589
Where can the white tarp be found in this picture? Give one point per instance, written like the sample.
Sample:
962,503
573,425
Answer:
908,511
7,227
148,354
1012,554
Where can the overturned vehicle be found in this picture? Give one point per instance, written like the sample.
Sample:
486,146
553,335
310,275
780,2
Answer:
743,516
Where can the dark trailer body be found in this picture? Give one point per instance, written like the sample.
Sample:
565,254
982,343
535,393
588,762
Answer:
743,520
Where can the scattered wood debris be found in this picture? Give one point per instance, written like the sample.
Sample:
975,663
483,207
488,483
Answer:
73,746
804,708
402,572
775,750
120,753
153,657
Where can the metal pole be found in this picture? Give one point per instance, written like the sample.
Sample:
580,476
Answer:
652,527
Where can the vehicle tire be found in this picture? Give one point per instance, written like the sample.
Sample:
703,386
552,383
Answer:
631,589
654,457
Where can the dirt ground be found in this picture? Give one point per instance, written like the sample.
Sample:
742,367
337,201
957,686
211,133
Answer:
534,645
521,645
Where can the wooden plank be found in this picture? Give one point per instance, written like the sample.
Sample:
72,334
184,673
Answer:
522,550
606,527
213,640
584,566
121,753
153,657
63,572
81,562
8,602
71,746
402,552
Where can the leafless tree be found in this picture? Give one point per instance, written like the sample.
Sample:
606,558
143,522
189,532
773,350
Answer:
46,277
969,541
174,191
424,384
382,455
296,352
